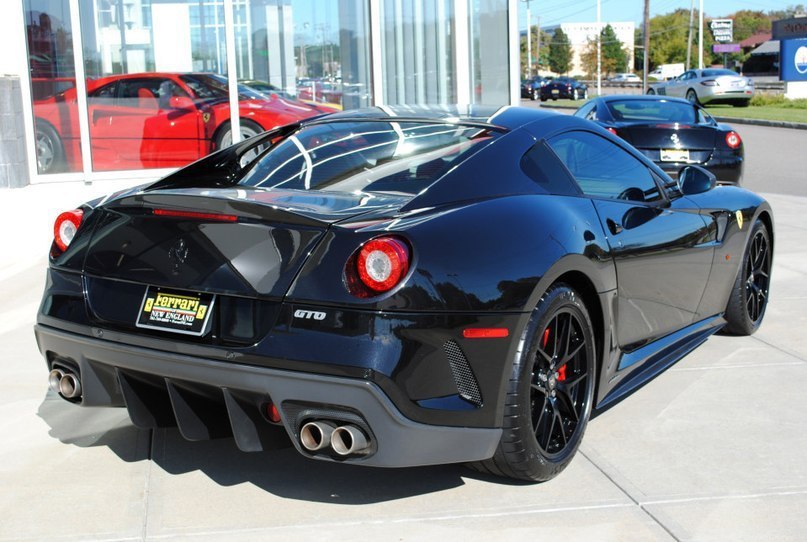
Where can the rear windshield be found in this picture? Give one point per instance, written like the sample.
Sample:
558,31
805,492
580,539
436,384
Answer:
715,73
652,110
366,156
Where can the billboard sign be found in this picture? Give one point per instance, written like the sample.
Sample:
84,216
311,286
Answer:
793,60
722,30
787,29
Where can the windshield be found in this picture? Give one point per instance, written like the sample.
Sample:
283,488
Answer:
209,86
366,156
652,110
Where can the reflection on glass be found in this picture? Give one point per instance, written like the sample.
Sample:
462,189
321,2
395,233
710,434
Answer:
311,51
417,51
157,92
53,81
490,72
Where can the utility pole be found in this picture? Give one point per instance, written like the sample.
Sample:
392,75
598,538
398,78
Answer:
599,51
689,41
646,44
529,40
538,47
700,36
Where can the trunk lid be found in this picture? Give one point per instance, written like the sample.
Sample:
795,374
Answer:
243,242
651,139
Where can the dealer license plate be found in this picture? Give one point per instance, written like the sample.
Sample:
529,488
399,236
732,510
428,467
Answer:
176,311
674,155
555,91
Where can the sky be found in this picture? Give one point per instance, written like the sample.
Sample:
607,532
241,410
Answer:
554,12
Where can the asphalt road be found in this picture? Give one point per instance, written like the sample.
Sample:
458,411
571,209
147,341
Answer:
774,159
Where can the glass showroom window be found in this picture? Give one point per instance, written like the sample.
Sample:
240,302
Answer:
417,51
156,92
53,85
305,53
490,66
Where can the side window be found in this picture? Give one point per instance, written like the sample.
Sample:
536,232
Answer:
603,169
587,111
106,91
542,166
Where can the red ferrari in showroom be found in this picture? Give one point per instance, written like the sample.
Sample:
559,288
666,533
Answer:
154,120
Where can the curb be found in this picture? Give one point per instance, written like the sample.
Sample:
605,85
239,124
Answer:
730,120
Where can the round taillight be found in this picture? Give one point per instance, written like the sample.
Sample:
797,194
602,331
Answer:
612,130
379,265
66,226
733,140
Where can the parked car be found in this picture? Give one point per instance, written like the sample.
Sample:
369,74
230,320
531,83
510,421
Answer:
709,86
564,87
153,120
401,287
625,78
531,88
672,132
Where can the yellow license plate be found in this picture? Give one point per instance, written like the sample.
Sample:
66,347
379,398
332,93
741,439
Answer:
674,155
175,311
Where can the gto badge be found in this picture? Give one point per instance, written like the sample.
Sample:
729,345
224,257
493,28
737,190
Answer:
309,315
739,215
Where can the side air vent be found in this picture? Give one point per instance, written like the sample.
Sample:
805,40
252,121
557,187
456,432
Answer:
463,376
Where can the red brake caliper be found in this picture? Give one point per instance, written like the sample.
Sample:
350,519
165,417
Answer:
562,370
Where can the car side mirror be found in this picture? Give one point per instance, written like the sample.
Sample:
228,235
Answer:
181,102
695,180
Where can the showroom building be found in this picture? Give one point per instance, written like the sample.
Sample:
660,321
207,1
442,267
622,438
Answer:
111,89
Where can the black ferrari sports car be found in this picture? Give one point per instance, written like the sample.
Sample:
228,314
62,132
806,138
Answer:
564,87
401,287
672,132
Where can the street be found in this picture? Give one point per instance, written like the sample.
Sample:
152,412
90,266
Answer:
714,448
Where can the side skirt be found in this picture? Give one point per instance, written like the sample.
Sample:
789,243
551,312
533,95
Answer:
638,367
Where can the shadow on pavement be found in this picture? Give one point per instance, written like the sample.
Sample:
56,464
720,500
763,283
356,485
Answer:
284,473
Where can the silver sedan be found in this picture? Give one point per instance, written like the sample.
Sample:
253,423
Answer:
709,86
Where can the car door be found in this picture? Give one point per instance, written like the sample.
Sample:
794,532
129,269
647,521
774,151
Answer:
660,246
141,129
678,86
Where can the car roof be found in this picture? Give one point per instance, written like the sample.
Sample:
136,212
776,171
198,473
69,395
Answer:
642,97
507,117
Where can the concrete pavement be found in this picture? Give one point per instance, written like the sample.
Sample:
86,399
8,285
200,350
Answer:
713,449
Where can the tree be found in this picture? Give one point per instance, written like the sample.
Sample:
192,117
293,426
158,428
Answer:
613,56
542,60
560,52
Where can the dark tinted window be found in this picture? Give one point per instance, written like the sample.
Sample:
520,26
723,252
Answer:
372,156
654,110
543,167
603,169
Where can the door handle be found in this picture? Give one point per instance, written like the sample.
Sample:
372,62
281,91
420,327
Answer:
614,227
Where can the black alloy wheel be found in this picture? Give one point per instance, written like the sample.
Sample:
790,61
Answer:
749,296
550,391
557,390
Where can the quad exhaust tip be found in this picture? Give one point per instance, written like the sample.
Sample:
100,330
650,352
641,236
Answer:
64,383
349,440
344,440
315,436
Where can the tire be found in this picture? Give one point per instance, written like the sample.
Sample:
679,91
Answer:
749,295
651,91
585,94
534,94
575,95
543,98
540,387
49,150
743,103
224,136
692,97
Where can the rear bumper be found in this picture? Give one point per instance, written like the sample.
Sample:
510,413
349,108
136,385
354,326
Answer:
201,390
